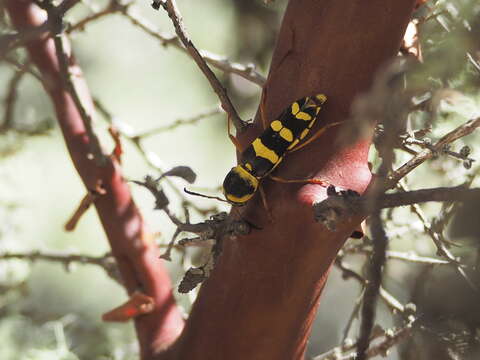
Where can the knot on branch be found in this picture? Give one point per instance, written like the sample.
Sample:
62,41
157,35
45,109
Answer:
339,203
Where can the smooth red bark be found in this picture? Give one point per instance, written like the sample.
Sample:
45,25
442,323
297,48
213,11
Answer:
132,245
262,297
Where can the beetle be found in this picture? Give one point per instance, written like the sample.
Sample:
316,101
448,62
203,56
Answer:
265,153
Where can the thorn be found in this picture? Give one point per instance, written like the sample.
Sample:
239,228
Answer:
138,304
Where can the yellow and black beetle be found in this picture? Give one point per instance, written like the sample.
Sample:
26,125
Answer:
264,154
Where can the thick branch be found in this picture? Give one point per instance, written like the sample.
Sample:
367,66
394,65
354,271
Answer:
348,205
279,270
132,245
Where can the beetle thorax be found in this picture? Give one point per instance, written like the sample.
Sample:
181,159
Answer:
239,185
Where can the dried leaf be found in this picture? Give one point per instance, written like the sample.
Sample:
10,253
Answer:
183,172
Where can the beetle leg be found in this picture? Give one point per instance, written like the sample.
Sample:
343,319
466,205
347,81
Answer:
314,181
233,138
314,136
265,203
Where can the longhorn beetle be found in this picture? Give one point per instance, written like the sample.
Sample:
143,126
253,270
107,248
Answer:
264,154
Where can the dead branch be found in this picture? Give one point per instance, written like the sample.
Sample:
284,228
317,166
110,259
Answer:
247,72
389,338
106,262
150,158
461,131
172,11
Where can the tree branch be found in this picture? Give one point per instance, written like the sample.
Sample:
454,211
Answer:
151,158
248,72
340,204
172,11
180,122
132,245
264,272
13,41
66,259
461,131
11,100
389,338
67,73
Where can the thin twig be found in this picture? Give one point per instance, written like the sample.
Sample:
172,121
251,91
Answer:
461,131
111,8
390,338
394,118
408,257
353,315
172,11
439,242
247,72
150,159
11,100
180,122
66,259
26,67
391,302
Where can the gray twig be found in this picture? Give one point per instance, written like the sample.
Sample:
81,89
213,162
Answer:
459,132
439,242
150,159
172,11
66,259
11,100
181,122
389,338
247,72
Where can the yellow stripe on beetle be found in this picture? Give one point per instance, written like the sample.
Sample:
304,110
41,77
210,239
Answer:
295,108
303,116
264,152
276,125
286,134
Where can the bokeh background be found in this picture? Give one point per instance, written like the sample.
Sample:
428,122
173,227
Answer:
52,311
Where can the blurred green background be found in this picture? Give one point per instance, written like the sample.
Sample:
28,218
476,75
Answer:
50,312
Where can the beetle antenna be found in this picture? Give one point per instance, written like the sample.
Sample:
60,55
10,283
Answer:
204,196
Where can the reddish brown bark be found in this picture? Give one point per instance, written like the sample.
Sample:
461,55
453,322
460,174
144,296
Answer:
262,297
135,252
